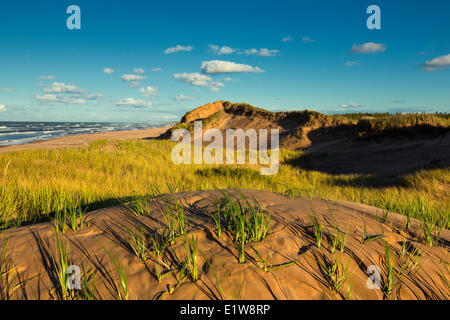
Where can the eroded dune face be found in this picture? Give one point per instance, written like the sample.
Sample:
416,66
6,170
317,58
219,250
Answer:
287,264
203,111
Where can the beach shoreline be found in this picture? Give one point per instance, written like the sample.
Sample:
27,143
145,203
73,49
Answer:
81,140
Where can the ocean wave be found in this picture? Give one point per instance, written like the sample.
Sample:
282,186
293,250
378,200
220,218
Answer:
20,133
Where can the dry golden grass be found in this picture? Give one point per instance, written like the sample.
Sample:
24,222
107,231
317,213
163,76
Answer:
36,183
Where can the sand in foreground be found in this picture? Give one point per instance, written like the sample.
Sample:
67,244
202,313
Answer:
297,267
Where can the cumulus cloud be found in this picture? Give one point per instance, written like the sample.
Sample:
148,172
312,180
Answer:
268,53
60,92
287,39
108,71
263,52
7,89
197,79
61,87
182,97
53,98
138,70
149,91
47,77
2,108
157,69
46,97
133,77
437,63
350,105
178,48
351,63
225,50
221,50
219,66
133,102
307,40
368,47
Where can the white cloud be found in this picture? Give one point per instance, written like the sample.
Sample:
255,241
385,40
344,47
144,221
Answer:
213,48
133,77
53,98
215,86
268,53
133,102
251,51
182,97
60,92
178,48
368,47
263,52
2,107
138,70
350,105
89,96
61,87
47,77
197,79
437,63
307,40
219,66
287,39
156,69
7,89
73,101
46,97
149,91
225,50
108,71
351,63
221,50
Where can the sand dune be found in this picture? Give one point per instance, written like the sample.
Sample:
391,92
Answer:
290,240
338,145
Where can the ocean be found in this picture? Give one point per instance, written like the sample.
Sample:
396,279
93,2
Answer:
25,132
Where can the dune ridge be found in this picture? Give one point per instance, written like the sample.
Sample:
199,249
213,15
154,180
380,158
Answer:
418,269
379,144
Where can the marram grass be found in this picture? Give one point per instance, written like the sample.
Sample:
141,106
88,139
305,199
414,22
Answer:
34,184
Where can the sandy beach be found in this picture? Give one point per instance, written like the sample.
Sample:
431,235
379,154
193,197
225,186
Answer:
81,140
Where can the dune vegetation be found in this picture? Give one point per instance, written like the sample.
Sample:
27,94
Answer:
36,185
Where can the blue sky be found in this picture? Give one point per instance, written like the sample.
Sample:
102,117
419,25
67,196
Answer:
285,55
